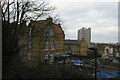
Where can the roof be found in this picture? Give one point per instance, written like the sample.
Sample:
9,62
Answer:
57,28
73,42
40,24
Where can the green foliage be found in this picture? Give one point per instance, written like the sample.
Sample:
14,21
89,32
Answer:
108,63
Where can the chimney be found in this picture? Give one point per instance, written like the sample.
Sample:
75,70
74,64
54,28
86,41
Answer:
31,20
82,39
49,20
59,24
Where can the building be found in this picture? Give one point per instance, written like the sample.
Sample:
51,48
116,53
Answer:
76,47
116,50
44,38
108,51
86,34
101,49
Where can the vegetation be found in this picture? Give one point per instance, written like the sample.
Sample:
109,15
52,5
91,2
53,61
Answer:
108,63
72,72
16,15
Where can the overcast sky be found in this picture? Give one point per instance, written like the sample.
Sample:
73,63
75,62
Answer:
101,17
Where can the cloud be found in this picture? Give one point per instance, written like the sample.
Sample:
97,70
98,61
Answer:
101,17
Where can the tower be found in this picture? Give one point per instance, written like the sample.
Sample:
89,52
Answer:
86,34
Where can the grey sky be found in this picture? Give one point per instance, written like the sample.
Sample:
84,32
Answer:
101,17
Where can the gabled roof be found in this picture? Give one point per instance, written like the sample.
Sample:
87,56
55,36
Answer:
57,28
73,42
41,24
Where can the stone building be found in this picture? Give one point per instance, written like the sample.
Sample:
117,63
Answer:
45,38
76,47
116,50
109,51
102,49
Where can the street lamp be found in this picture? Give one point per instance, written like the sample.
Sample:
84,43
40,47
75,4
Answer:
95,52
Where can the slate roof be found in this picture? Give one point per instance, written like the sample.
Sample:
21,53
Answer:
40,24
73,42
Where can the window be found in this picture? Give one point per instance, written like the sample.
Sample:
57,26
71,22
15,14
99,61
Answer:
66,49
115,49
111,50
29,44
77,45
30,32
69,48
46,45
49,32
77,49
57,44
29,56
76,53
57,53
51,45
107,51
73,49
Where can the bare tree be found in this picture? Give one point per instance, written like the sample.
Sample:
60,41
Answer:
15,15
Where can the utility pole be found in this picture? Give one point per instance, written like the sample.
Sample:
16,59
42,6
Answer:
95,52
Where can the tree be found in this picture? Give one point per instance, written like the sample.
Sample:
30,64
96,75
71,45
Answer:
15,15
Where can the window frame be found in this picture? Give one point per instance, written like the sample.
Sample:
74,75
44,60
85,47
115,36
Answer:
46,45
51,45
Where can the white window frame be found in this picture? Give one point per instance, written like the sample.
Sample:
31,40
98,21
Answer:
46,45
51,45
